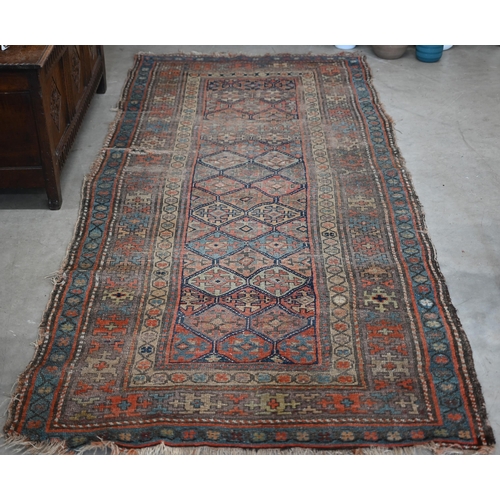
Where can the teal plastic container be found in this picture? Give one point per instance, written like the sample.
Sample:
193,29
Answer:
429,53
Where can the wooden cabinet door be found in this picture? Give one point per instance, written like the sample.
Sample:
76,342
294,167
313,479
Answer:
18,133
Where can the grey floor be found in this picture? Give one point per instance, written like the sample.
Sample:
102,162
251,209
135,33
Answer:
447,118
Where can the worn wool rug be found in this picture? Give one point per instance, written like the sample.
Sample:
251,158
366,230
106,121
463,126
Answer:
250,270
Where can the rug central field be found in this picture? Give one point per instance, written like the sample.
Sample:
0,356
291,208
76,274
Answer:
251,269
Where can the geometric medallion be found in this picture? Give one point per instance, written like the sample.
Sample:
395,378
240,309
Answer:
275,160
216,281
246,228
277,186
217,213
215,322
276,244
215,245
224,160
246,198
277,281
220,185
248,301
245,347
272,213
277,323
246,262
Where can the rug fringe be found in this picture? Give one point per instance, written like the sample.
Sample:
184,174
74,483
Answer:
335,52
19,445
56,278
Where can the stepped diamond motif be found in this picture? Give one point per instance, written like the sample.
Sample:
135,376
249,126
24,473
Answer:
216,245
193,301
220,185
296,200
299,262
301,301
272,213
246,198
203,172
300,348
196,229
193,263
277,186
276,244
246,228
246,262
200,197
224,160
277,281
215,322
295,173
248,173
216,281
217,213
251,106
276,160
231,96
274,95
276,323
248,301
250,149
187,346
245,347
296,228
272,114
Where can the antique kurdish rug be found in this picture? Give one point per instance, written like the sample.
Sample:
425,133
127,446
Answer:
251,270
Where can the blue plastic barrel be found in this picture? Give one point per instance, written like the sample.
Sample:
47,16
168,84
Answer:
429,53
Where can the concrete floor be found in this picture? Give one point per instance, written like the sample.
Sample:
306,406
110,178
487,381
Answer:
447,118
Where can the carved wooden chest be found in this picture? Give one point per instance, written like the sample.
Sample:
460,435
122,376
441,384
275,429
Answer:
44,93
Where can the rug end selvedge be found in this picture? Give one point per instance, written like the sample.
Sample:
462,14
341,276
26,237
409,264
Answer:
17,445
